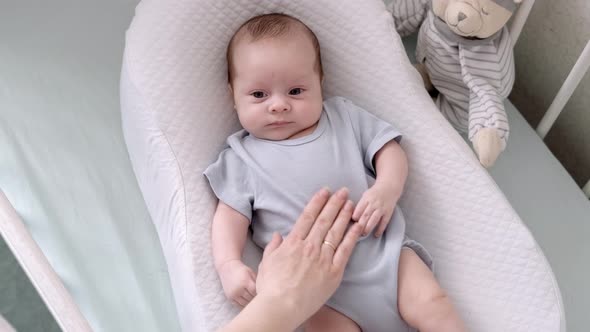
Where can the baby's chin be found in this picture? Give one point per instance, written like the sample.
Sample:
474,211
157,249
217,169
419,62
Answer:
273,136
279,135
290,131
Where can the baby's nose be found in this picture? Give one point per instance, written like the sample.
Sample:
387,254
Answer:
280,105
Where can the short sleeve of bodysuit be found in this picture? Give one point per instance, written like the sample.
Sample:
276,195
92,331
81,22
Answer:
371,133
229,178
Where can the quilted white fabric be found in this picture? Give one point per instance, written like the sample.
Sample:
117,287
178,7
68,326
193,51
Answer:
177,113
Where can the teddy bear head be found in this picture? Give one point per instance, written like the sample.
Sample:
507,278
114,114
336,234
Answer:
475,18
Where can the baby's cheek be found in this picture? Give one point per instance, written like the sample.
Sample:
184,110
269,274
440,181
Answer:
248,122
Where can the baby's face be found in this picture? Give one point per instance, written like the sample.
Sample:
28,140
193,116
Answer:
276,88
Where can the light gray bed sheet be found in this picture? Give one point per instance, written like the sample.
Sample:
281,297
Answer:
554,208
64,167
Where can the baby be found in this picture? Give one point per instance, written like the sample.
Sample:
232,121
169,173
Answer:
295,143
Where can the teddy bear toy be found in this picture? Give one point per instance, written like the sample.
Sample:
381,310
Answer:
465,52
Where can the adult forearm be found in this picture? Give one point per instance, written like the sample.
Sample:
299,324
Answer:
264,315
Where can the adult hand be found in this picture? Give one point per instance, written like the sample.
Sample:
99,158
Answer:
305,268
298,274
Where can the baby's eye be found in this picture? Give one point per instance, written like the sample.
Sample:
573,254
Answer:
258,94
296,91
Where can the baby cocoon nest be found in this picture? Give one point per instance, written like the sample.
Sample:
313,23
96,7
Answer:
294,143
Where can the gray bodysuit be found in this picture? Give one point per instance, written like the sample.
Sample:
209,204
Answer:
270,182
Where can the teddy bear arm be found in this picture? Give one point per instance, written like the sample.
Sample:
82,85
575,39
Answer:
408,15
486,110
487,145
488,125
486,105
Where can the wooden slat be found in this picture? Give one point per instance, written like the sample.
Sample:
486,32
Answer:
519,19
565,92
30,257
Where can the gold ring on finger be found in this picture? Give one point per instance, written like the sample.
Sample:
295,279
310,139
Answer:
330,244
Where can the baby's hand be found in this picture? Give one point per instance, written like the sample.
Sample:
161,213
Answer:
238,281
375,208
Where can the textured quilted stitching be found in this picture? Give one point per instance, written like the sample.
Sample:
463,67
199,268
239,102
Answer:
484,255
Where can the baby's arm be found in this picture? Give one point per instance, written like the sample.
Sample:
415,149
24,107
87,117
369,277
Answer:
229,233
377,204
391,168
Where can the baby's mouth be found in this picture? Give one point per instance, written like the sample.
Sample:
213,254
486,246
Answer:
279,123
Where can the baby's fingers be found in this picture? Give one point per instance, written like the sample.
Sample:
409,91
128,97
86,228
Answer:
240,301
373,221
247,296
251,288
382,225
366,215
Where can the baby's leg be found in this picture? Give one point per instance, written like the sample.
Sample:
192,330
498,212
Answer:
328,319
421,301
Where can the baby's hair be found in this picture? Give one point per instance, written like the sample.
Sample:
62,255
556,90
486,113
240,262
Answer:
270,26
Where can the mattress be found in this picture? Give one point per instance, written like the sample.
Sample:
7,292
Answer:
177,113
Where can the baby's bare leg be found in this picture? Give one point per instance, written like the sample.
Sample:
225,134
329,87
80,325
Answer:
328,319
421,301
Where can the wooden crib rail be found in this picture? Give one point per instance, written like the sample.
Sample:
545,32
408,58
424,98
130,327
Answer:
568,87
5,325
565,92
519,19
563,95
32,260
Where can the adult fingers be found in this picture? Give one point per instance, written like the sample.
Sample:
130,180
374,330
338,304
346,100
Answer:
336,233
274,243
326,218
360,208
307,218
345,248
